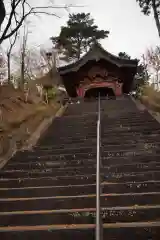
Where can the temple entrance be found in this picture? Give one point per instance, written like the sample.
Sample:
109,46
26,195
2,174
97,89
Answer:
103,92
100,70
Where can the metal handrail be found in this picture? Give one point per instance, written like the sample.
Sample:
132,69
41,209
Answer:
98,178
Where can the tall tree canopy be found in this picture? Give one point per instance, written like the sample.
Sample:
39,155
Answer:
78,35
148,6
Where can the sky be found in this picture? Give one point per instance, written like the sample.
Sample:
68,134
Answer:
130,30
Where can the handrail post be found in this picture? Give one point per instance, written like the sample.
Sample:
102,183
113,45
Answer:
98,182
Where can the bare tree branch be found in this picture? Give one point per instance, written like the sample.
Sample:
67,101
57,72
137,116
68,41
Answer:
45,13
20,10
9,52
2,12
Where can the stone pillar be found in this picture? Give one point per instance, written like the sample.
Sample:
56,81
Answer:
118,89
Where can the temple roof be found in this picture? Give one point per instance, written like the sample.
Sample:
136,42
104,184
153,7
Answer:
95,53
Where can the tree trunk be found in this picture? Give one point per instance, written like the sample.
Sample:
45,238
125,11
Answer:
9,68
2,12
79,49
22,81
22,72
25,35
157,80
79,54
156,17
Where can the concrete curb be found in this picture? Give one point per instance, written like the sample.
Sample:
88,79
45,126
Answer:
138,104
33,138
12,150
142,107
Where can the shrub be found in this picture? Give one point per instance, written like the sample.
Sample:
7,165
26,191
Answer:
151,98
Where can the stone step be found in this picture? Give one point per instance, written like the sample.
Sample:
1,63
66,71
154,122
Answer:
47,181
68,139
130,129
79,170
132,176
67,190
92,155
80,179
134,167
104,147
68,119
80,216
130,134
26,157
84,149
88,138
91,168
112,161
92,132
81,201
132,231
48,172
92,110
48,191
137,116
113,140
106,130
49,234
87,142
45,164
116,156
85,122
107,124
112,130
50,218
93,114
108,162
90,142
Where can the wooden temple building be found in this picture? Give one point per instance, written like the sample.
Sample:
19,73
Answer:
98,71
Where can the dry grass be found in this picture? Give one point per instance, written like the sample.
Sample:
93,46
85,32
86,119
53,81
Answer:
15,111
151,98
19,119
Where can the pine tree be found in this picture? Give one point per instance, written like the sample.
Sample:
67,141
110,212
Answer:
78,35
124,55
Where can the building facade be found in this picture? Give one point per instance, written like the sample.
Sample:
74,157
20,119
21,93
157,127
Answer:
98,71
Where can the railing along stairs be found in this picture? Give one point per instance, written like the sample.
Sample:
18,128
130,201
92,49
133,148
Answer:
99,226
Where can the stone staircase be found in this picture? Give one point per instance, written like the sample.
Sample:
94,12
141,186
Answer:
50,193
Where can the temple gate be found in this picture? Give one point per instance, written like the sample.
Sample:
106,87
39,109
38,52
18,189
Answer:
99,70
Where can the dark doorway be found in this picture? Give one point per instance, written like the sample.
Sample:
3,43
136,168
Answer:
103,92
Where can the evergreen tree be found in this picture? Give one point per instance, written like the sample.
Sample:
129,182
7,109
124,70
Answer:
78,35
124,55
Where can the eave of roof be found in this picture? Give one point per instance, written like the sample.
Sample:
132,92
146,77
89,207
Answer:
96,53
